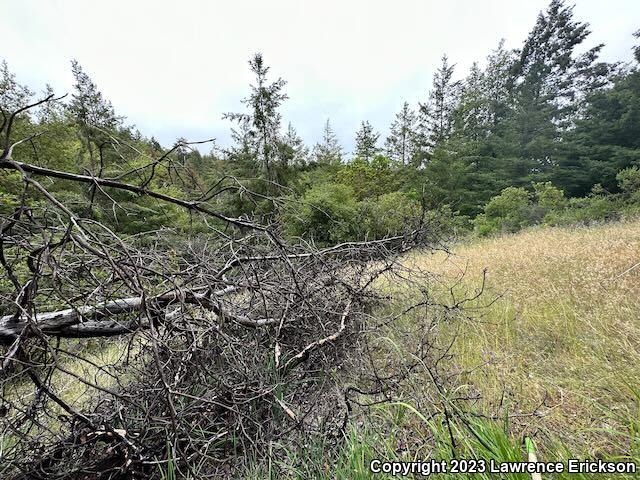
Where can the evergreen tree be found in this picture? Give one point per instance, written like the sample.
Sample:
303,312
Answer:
475,148
294,152
478,136
244,141
366,142
329,150
401,142
93,115
437,114
261,126
549,80
12,95
50,112
88,107
605,139
496,81
471,114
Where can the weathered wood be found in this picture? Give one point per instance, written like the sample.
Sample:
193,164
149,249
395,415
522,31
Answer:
95,321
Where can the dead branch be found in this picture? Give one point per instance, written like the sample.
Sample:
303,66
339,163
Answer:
220,341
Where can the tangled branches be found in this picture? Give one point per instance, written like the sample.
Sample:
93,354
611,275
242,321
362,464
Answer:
217,343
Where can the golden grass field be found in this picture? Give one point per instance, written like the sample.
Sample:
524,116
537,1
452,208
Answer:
564,337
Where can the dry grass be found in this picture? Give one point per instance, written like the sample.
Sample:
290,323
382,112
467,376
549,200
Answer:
563,340
100,356
565,334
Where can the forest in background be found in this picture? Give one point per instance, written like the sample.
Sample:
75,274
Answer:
546,133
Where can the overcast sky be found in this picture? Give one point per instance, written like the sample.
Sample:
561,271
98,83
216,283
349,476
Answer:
172,68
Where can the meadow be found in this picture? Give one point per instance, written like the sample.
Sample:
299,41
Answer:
551,347
564,334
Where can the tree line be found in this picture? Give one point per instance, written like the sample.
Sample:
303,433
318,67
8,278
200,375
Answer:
547,114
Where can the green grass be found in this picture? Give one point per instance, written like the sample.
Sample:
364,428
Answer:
475,439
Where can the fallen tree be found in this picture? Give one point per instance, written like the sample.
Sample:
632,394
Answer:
225,341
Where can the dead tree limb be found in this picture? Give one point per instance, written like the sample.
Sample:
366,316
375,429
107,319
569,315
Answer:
213,335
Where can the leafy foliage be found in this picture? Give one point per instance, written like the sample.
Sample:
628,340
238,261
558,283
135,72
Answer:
548,120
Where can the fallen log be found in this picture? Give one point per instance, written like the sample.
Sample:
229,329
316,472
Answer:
95,320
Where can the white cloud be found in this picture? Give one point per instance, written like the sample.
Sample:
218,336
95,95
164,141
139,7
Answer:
173,67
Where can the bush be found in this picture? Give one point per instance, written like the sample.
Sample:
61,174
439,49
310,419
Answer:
549,201
597,208
329,213
326,213
507,212
549,197
388,215
369,180
629,182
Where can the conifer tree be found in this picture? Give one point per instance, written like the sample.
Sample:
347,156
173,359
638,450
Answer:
471,115
12,95
549,80
262,124
400,145
93,114
366,142
89,108
437,114
293,150
328,151
50,111
496,80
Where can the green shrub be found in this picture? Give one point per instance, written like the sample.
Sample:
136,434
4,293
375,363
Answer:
508,212
587,210
329,213
629,182
549,201
548,196
10,191
388,215
369,180
326,213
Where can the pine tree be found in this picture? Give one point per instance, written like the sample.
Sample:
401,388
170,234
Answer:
262,124
50,111
93,115
401,142
496,78
243,139
329,150
294,151
471,114
478,141
437,114
604,140
366,142
90,109
549,81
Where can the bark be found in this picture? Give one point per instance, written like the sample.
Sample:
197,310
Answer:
95,320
